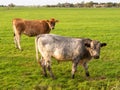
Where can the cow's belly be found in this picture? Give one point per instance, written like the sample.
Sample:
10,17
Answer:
62,55
31,33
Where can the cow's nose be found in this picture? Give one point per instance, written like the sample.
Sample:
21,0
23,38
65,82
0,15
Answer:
96,57
52,27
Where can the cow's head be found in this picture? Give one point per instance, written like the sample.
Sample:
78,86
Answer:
94,47
52,23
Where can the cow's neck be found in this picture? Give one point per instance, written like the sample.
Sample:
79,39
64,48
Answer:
87,54
49,26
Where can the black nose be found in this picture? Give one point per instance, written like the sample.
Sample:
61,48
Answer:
96,57
53,28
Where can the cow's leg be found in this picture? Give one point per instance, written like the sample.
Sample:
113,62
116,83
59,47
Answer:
86,69
18,42
15,41
17,36
48,65
42,64
74,67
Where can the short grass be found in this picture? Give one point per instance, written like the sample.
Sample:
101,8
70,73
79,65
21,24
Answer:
20,70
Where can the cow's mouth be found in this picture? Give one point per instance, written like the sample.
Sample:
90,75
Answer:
53,28
96,57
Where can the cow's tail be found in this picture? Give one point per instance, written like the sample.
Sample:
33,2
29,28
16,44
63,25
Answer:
14,28
36,48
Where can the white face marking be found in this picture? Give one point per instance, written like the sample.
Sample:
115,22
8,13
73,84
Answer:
95,49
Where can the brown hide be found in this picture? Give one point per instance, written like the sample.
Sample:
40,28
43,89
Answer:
31,27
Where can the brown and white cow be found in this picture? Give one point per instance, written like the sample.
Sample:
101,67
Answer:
66,49
31,28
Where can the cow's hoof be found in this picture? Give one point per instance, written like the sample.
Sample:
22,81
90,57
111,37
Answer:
21,49
54,78
87,74
45,75
73,76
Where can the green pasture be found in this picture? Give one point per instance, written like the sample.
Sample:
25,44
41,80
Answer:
19,70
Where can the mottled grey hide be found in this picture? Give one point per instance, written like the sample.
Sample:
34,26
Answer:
66,49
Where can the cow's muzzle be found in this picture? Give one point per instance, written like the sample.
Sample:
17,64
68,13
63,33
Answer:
96,57
53,28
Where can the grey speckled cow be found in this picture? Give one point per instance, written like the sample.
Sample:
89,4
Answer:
66,49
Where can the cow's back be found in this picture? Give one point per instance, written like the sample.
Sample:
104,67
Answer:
36,27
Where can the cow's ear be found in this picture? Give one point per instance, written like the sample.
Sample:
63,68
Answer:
56,20
103,44
87,44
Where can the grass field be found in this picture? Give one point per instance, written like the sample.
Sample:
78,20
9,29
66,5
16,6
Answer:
20,70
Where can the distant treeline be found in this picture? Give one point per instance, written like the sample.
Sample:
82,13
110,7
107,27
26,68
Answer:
90,4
